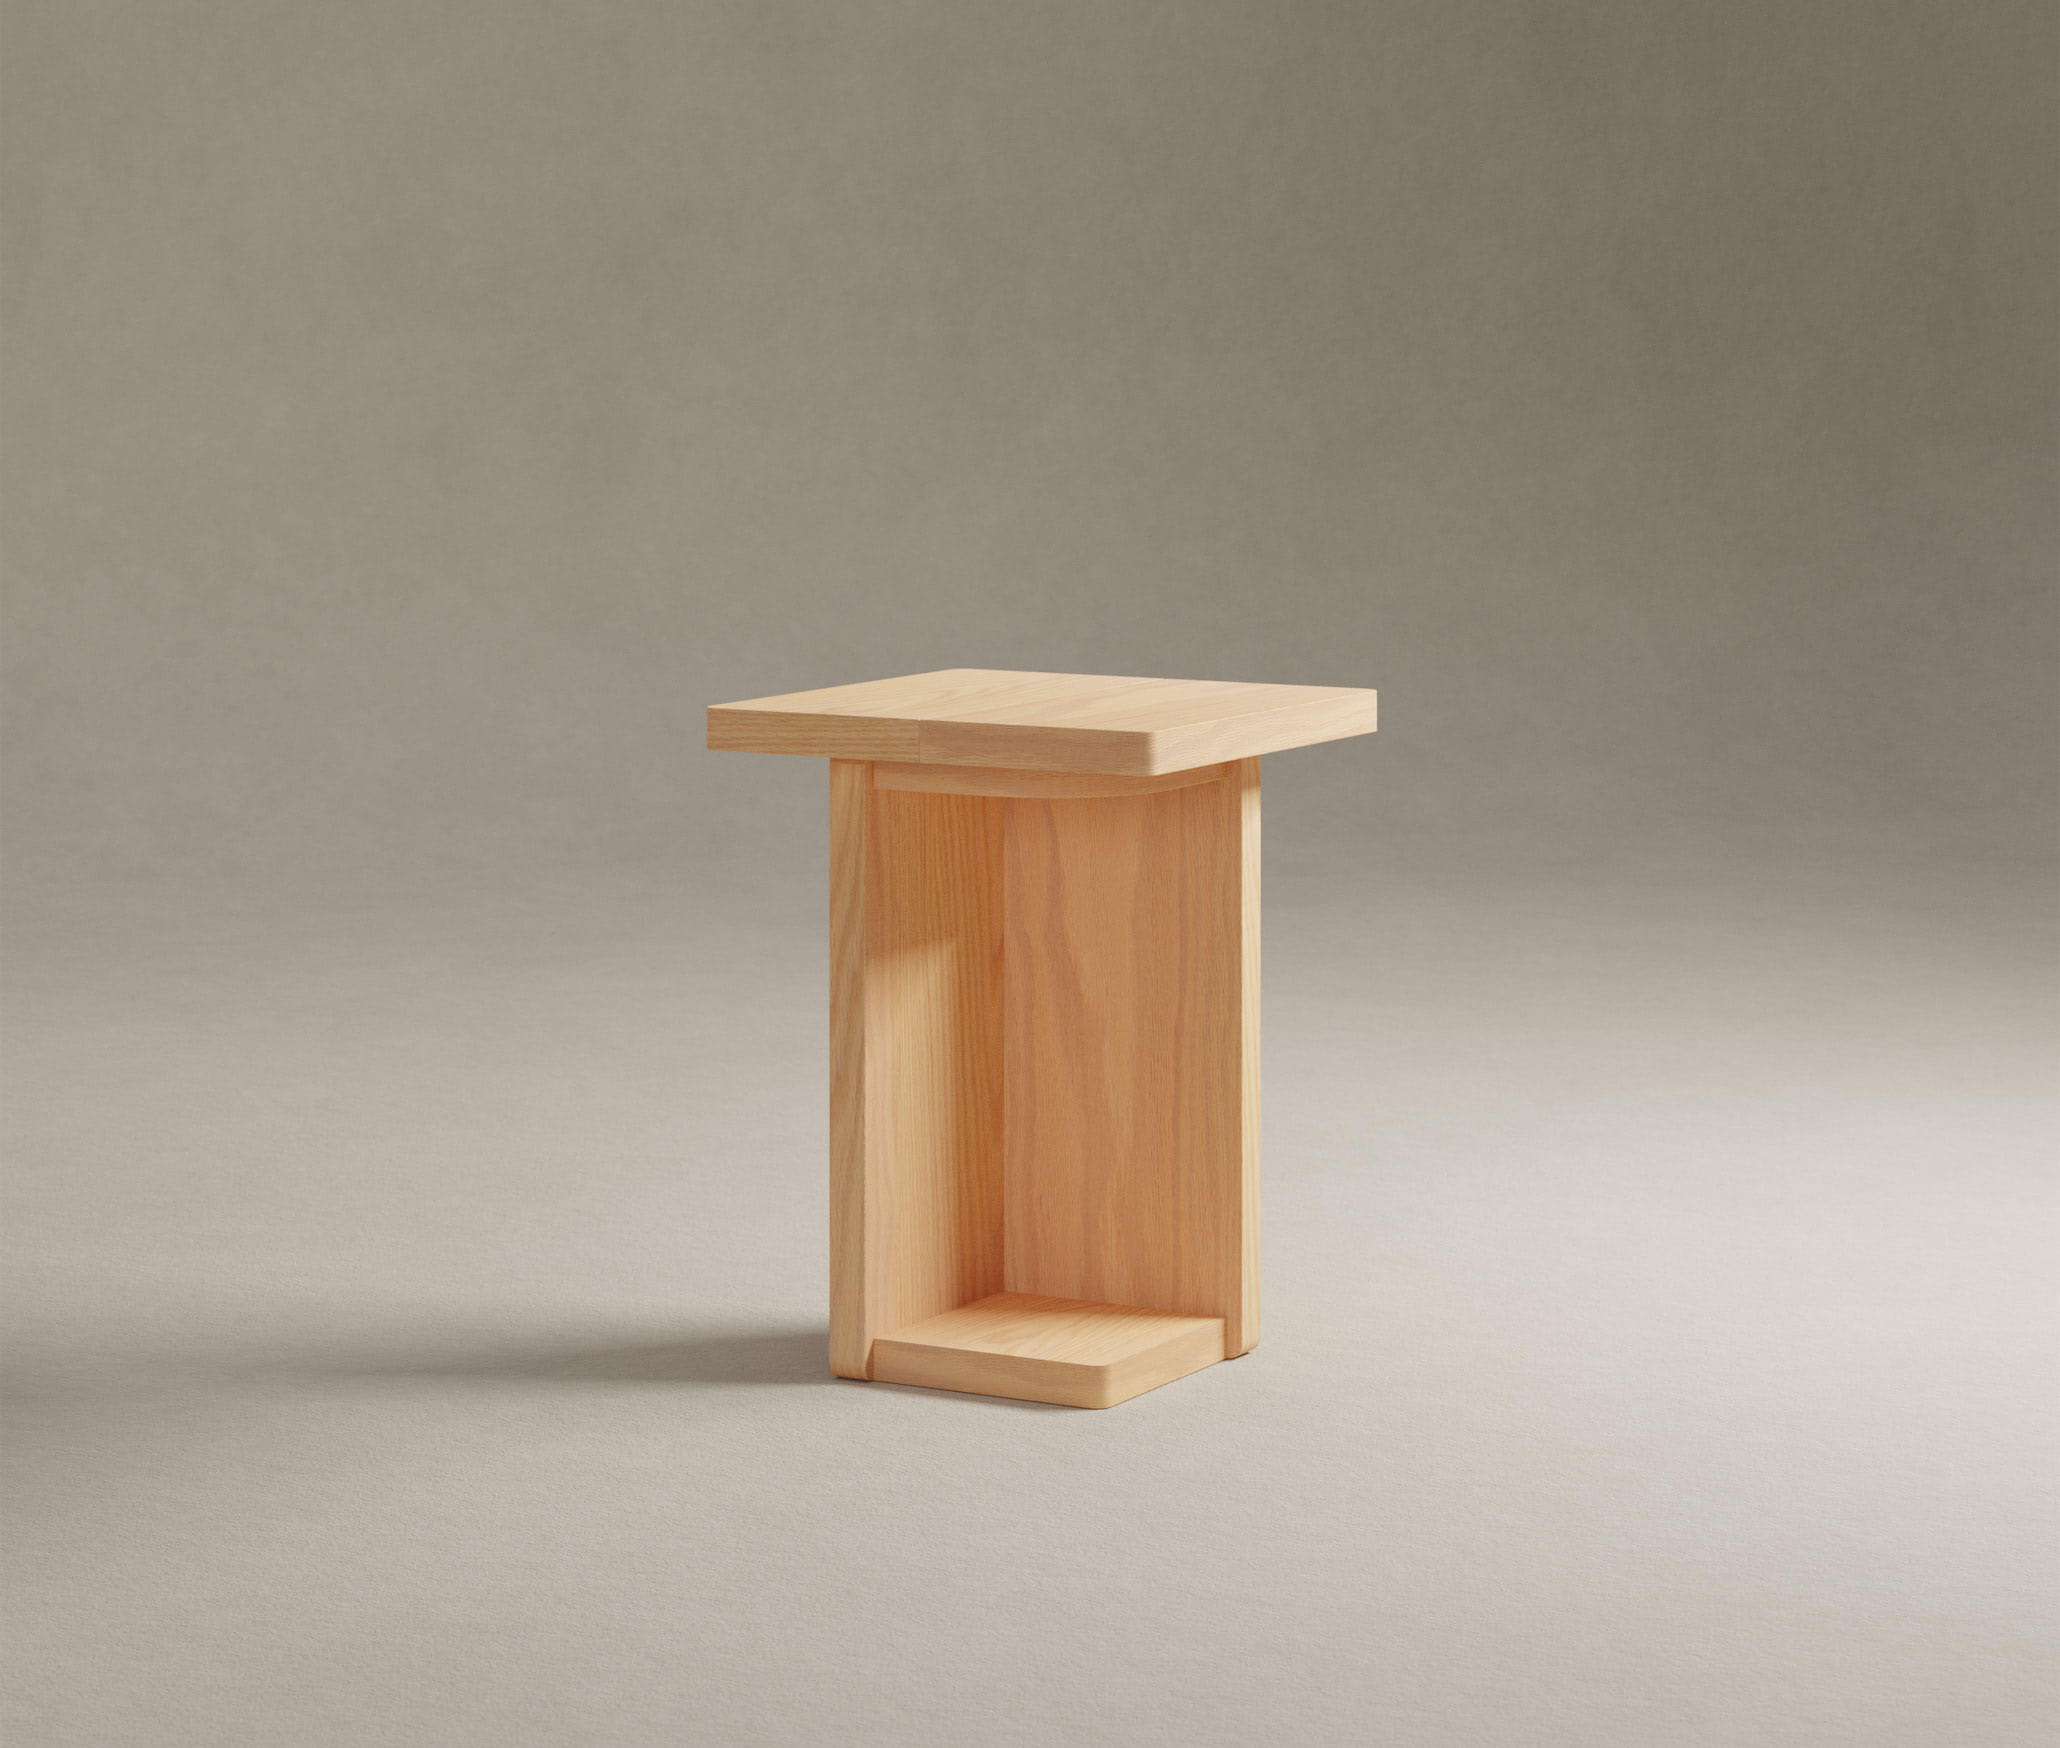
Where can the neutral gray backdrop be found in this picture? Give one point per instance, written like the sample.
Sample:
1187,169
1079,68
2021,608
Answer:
415,414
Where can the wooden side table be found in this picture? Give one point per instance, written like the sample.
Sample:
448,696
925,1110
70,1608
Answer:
1044,1018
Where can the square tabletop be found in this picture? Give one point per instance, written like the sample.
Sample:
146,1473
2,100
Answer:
999,718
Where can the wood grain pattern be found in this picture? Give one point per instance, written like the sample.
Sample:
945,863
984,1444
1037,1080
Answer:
1111,724
1130,1133
1032,785
1044,1076
736,728
1042,1349
916,973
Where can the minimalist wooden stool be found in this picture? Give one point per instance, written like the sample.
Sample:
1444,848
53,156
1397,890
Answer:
1044,1018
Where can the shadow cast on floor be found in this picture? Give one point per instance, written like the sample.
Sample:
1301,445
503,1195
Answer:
722,1358
726,1357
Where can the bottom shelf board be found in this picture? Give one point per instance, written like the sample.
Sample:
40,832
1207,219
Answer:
1066,1351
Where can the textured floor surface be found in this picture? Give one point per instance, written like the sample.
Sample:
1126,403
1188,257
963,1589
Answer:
417,1317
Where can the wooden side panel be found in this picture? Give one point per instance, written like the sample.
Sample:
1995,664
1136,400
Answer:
858,1257
1131,1048
1242,1329
934,1044
915,1124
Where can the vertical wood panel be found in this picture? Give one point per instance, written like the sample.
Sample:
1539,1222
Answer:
916,1106
856,1266
1131,1048
933,1043
1241,1329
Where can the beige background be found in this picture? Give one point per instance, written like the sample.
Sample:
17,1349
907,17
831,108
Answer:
415,413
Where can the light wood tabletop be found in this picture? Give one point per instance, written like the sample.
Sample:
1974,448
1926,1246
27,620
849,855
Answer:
996,717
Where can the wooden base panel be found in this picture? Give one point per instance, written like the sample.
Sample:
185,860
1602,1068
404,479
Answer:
1038,1349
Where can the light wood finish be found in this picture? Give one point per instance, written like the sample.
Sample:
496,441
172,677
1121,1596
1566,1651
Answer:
1130,1133
1044,722
1044,1019
857,1268
915,1050
1041,1349
1242,1325
1032,785
1044,1045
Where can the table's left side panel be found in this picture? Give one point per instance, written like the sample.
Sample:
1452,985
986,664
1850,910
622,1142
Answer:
915,1057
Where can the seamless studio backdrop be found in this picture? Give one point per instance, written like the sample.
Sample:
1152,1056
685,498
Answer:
415,1166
